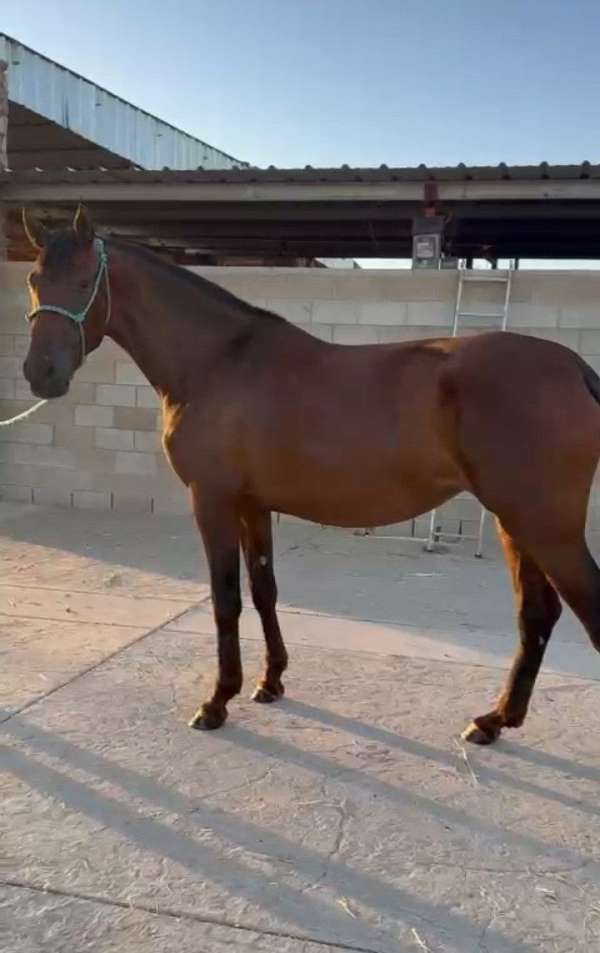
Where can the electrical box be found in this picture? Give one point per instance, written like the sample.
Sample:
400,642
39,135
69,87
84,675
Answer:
427,242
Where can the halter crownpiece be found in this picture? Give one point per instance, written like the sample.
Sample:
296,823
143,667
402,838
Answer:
79,316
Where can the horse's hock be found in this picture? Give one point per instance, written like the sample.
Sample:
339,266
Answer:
99,447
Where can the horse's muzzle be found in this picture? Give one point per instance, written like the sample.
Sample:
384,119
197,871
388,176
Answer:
46,379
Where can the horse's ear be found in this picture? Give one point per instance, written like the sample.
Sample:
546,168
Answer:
35,230
83,226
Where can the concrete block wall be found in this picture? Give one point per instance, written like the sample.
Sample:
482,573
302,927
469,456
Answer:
100,446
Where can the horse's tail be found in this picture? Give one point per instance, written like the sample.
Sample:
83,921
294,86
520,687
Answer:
592,380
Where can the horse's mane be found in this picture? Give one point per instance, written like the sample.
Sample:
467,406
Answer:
208,289
62,244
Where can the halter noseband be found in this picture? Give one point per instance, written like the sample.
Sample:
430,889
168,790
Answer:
79,316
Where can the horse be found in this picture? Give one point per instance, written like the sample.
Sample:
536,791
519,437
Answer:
261,417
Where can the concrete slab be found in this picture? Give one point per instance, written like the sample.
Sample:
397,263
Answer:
102,551
91,551
569,652
39,921
347,815
38,656
36,602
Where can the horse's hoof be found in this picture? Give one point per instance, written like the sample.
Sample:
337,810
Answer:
208,718
265,696
478,734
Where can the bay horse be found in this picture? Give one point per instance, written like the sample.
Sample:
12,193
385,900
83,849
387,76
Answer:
260,417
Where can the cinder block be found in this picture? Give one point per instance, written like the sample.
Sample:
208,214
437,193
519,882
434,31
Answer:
97,370
128,373
354,334
81,392
566,289
430,313
295,310
147,397
21,345
7,344
25,432
7,388
589,342
91,500
143,464
97,460
383,313
147,441
109,350
93,416
125,502
335,312
52,496
532,316
136,418
110,438
115,395
15,493
46,476
176,502
74,438
408,333
38,456
13,274
322,331
584,318
10,367
23,390
568,339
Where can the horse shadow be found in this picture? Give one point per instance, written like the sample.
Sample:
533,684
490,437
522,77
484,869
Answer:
297,905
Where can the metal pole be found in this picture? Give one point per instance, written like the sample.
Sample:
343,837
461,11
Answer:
479,550
429,545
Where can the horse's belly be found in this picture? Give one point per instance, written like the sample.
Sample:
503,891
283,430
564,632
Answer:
374,501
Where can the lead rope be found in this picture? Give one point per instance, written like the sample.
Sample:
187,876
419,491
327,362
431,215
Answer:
32,410
23,415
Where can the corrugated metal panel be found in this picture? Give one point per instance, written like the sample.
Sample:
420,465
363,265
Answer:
79,105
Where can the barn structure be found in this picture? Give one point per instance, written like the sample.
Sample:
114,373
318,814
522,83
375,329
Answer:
99,447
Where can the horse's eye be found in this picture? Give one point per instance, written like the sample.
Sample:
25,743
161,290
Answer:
84,285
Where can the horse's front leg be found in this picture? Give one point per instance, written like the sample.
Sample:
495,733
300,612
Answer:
218,522
257,545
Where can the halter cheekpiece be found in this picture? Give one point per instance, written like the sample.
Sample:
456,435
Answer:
78,317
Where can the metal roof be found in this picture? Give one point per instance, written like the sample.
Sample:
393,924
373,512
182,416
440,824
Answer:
200,173
92,118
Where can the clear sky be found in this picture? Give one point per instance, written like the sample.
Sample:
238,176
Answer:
326,82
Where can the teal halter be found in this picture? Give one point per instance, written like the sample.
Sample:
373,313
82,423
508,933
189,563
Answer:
79,316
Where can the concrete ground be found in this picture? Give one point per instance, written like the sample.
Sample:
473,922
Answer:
346,817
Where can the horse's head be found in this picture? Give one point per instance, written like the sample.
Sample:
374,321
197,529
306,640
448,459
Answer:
70,303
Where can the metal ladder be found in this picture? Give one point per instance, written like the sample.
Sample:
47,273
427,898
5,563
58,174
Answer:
466,275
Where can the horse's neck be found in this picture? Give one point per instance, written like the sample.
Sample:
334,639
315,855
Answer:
165,326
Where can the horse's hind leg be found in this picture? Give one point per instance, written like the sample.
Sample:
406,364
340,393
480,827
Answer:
257,545
538,610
